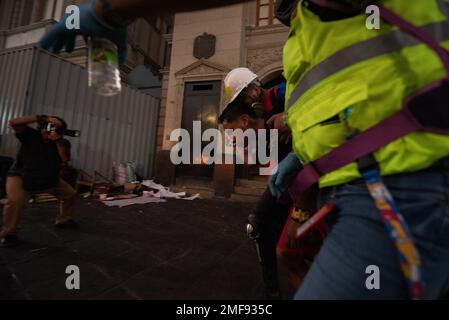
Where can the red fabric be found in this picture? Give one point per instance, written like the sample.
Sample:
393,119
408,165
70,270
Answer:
267,99
268,108
309,249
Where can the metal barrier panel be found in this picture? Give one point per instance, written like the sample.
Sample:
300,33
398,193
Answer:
15,71
113,129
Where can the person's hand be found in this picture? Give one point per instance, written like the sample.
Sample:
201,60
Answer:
277,121
287,169
54,121
60,36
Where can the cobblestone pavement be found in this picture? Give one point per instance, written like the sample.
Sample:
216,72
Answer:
174,250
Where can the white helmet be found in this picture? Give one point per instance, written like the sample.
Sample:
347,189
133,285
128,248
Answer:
237,80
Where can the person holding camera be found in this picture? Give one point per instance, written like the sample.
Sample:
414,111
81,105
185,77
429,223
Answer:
36,169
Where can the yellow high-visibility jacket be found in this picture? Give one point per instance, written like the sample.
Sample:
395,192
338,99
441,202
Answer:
342,77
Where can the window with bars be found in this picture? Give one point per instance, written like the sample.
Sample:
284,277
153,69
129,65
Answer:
265,13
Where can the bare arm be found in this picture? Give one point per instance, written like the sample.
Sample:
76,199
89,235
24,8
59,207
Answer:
122,12
18,124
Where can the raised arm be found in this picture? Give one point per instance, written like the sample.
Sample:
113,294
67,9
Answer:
18,124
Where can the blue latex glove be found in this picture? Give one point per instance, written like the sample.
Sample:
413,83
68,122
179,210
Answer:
60,36
287,170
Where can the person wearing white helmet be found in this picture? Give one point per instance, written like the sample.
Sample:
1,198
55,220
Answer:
242,79
252,107
243,86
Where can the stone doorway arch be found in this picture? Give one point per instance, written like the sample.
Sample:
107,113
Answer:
271,75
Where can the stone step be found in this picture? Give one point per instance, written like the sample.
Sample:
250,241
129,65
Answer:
205,193
235,197
193,182
249,191
244,191
253,183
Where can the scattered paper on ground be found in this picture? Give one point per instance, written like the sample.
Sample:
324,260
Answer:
158,196
151,184
165,193
128,202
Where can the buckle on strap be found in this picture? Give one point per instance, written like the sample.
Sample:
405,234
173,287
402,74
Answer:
367,163
364,163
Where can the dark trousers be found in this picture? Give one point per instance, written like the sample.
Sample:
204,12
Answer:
271,217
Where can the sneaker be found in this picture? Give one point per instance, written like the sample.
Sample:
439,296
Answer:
69,224
10,241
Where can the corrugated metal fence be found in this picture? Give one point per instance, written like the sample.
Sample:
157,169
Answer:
120,128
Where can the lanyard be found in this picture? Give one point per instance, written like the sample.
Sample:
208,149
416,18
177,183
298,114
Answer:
398,231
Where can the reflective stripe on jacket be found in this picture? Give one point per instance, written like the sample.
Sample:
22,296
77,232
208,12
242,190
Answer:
342,77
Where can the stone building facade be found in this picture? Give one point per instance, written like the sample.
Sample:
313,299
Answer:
24,22
161,60
246,35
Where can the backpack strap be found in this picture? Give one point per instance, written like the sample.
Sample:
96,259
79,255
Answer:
416,32
397,126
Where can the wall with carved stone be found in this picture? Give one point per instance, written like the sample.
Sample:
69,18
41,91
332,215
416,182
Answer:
238,43
264,48
227,24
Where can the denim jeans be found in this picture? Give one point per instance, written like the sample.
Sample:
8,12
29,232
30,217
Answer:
358,238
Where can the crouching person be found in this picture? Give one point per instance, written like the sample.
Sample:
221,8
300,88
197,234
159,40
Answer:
36,169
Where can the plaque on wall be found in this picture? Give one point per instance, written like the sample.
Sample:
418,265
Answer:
204,46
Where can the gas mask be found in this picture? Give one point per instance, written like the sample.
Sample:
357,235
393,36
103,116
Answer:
259,108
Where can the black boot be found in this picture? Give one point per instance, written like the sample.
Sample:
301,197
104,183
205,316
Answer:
270,279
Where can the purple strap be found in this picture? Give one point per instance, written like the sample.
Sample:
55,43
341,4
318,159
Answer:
390,129
418,33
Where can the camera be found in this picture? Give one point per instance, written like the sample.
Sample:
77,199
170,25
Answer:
59,130
72,133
